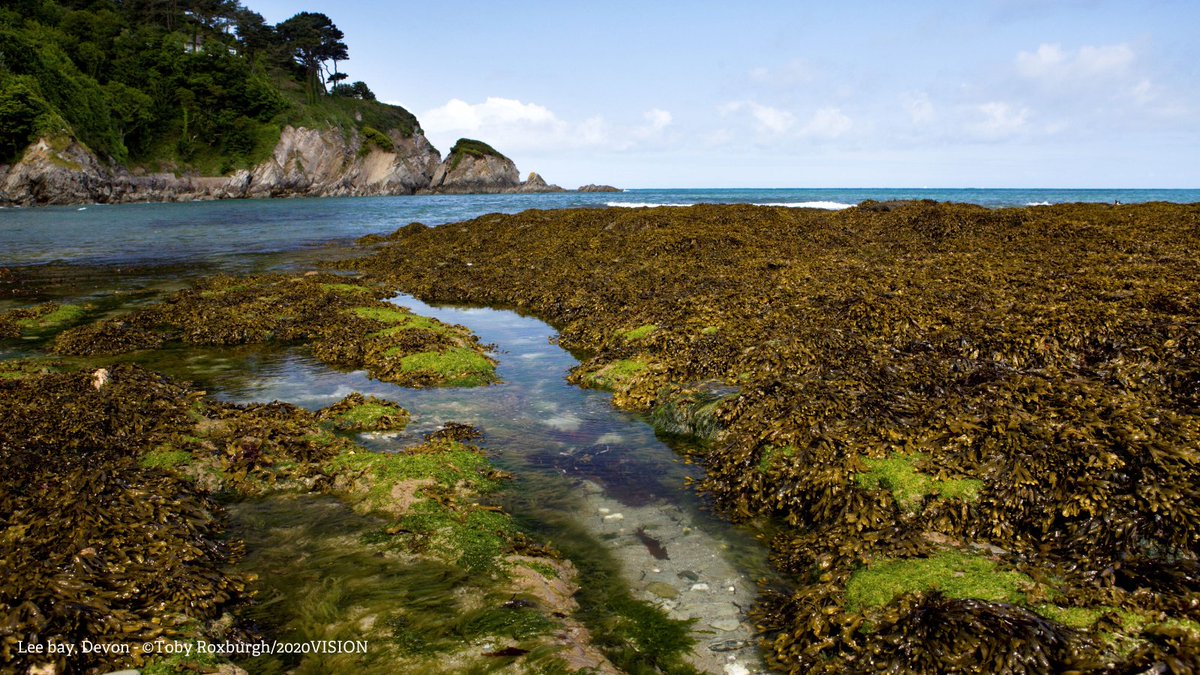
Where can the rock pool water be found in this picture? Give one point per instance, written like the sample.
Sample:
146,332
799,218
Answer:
578,460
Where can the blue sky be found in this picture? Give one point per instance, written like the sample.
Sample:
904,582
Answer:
970,93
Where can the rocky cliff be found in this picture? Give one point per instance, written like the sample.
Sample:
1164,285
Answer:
305,163
476,167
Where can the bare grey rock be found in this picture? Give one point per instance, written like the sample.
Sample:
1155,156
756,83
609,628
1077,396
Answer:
591,187
536,184
475,174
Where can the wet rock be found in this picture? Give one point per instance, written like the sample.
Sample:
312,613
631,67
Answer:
726,625
662,590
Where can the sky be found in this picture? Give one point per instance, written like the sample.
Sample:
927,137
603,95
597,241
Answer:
962,93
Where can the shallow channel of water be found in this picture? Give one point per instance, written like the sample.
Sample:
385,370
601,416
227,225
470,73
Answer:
583,467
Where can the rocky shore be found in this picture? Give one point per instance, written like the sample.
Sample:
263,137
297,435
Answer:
974,430
168,517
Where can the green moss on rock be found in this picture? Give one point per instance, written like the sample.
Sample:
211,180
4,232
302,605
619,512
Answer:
898,475
952,573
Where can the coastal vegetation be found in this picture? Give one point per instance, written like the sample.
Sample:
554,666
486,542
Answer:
198,86
466,147
974,431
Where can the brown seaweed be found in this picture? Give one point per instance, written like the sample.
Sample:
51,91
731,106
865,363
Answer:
346,325
1049,358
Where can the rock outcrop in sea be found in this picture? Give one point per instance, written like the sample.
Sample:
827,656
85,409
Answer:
592,187
305,163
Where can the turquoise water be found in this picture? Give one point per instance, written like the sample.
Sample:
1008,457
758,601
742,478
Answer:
226,234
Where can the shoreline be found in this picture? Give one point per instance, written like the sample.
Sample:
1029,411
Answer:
891,485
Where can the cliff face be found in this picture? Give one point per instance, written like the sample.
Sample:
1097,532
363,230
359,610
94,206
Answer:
324,163
463,173
305,163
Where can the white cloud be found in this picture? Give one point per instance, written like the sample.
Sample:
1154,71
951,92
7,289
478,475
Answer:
918,106
1000,119
1051,64
767,120
827,123
658,119
512,126
790,74
458,115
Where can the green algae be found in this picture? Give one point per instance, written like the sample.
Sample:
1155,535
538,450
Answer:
165,457
432,488
898,475
460,367
614,375
58,316
348,288
445,463
639,333
770,455
320,310
40,319
474,540
383,314
952,573
17,369
359,413
417,616
691,413
179,664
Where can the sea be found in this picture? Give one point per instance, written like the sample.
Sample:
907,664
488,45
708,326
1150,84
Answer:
225,234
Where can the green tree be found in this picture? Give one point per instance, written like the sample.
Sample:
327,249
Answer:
132,109
311,39
21,108
358,90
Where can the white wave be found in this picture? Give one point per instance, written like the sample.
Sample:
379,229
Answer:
641,205
830,206
1038,204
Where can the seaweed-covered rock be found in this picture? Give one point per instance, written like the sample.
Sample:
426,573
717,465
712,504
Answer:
96,545
1029,374
345,324
361,413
